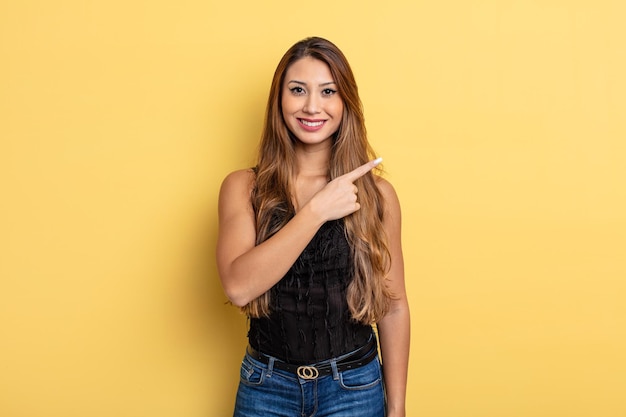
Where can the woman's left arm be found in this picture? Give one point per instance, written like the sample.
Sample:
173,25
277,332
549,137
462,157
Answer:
394,328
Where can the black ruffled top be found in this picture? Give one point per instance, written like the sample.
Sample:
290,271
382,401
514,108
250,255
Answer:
310,320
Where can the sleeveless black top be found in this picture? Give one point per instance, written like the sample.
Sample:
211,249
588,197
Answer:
310,320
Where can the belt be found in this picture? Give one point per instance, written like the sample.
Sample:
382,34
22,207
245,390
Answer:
322,368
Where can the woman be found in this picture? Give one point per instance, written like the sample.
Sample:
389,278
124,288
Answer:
309,248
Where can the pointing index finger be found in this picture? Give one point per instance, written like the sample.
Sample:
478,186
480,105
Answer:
363,169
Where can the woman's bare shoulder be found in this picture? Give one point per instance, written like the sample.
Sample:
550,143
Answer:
240,179
241,175
385,186
235,190
389,194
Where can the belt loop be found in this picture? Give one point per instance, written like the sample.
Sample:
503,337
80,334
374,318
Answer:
270,366
333,365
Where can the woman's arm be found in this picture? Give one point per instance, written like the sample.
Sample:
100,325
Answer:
248,271
394,328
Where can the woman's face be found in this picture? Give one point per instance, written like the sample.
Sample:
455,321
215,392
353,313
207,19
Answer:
312,107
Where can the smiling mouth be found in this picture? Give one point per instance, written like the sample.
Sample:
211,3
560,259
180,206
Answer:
309,123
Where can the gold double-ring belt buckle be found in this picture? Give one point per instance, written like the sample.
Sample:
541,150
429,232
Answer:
307,372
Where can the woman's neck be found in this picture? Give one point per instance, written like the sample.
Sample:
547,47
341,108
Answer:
312,161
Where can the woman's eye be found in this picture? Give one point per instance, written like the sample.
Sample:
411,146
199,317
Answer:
328,92
297,90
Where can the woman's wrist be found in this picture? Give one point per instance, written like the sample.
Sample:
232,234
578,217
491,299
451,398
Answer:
396,412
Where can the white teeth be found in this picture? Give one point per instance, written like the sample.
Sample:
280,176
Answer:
311,124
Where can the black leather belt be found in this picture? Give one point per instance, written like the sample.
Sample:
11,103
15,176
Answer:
360,357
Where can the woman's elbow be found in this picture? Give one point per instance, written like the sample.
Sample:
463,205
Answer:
236,295
237,301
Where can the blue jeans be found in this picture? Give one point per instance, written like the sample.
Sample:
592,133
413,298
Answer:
265,391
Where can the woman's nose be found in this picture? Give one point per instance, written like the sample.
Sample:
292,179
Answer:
311,105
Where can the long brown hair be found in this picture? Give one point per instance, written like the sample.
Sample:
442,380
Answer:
367,296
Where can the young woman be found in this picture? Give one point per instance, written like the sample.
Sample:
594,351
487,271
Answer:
309,248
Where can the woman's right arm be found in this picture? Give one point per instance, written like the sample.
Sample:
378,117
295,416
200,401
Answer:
248,271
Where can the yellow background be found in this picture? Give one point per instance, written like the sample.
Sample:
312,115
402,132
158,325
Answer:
502,127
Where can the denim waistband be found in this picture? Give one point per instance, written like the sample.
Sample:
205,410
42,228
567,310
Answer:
352,360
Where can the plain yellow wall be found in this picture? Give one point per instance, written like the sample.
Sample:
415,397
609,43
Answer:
502,127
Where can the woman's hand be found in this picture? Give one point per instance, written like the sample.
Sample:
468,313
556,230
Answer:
339,197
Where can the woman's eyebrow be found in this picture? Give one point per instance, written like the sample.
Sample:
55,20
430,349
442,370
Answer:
303,83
